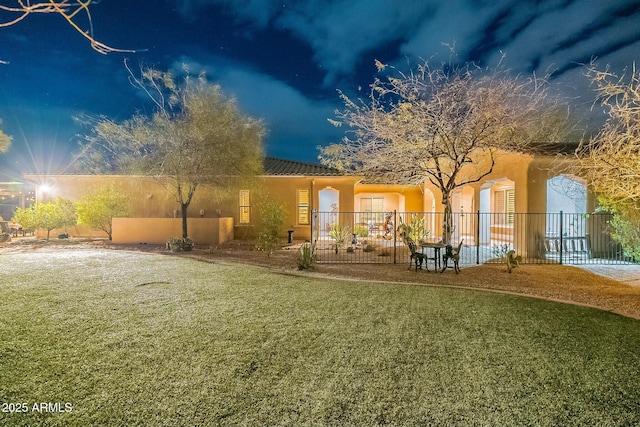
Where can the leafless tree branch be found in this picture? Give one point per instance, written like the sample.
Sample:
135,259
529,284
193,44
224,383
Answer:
68,9
610,161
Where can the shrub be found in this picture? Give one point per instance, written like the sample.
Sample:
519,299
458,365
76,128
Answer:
306,256
97,209
173,244
187,244
512,260
361,231
625,224
46,215
417,230
507,255
176,244
272,213
340,234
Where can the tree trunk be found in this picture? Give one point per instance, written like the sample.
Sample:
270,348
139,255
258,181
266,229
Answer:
447,221
183,208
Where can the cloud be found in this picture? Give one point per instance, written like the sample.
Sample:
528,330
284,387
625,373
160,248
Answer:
563,37
456,24
549,33
339,32
296,123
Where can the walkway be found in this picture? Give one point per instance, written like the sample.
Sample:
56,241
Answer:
626,273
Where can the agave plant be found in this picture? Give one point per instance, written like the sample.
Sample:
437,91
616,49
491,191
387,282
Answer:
306,256
339,234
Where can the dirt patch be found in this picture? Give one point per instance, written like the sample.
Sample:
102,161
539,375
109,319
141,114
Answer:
554,282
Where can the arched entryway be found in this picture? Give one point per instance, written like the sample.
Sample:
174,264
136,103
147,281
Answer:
567,194
329,204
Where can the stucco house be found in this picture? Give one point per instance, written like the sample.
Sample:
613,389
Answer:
517,184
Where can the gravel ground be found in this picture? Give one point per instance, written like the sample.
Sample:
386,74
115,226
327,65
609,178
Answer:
614,288
626,273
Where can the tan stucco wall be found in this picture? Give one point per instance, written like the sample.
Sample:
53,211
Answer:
211,231
76,231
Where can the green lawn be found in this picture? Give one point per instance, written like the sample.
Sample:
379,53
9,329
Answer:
129,339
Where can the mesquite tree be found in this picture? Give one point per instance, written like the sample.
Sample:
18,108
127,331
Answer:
444,125
196,136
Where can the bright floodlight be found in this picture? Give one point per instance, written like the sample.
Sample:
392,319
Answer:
45,188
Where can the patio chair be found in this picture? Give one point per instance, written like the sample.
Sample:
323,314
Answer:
417,257
453,254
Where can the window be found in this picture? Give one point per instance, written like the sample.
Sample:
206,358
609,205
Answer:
504,204
244,207
509,205
303,206
373,207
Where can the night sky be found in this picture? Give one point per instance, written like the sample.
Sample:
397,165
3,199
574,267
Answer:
283,61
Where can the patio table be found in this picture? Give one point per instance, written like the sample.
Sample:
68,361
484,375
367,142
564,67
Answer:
436,246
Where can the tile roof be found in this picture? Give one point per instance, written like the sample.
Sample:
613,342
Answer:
272,167
281,167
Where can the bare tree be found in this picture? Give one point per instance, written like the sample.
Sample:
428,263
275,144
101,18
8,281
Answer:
69,10
443,125
197,136
610,161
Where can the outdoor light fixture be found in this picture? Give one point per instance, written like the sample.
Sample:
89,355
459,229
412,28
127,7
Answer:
42,189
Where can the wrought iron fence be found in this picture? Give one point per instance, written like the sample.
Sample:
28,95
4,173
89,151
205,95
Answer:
373,237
